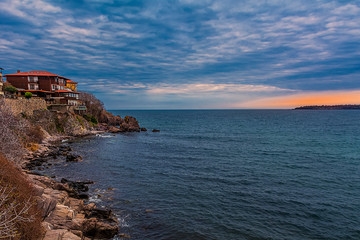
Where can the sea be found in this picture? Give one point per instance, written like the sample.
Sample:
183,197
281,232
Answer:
227,174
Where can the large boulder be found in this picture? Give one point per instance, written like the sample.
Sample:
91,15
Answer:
73,158
109,118
99,229
129,124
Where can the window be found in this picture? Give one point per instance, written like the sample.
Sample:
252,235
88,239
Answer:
54,87
33,87
33,78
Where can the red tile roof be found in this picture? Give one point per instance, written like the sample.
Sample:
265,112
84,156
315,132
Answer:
65,91
69,81
32,90
35,73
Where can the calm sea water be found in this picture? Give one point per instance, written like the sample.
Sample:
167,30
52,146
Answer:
242,174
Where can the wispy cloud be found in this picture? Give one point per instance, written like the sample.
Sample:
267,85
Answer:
186,49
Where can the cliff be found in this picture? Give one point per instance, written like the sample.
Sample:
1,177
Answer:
27,135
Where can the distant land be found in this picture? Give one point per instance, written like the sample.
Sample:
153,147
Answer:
330,107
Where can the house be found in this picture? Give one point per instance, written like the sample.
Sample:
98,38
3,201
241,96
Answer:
54,88
71,85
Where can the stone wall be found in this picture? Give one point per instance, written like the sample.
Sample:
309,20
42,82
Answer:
26,106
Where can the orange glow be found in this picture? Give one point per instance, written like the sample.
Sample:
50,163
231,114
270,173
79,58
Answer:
304,99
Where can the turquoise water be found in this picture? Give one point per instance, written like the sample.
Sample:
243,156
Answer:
229,174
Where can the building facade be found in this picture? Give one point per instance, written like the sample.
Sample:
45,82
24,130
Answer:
52,87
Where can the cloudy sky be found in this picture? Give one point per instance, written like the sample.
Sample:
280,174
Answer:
158,54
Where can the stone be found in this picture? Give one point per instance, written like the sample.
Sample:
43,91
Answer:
143,129
99,229
62,234
155,130
38,190
46,204
73,158
113,129
123,235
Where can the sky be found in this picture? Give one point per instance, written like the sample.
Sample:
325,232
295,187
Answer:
190,54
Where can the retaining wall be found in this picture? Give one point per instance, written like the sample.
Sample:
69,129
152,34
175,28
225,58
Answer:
26,106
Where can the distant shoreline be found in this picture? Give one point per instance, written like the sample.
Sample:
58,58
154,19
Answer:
330,107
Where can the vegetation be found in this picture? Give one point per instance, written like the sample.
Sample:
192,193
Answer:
28,95
59,125
91,119
10,89
95,107
19,216
80,121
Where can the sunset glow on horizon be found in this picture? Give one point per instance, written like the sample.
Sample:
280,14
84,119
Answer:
306,99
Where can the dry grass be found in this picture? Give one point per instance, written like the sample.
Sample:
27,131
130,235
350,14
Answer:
32,147
19,214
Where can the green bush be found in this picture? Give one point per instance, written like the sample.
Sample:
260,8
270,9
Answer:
11,89
28,95
91,118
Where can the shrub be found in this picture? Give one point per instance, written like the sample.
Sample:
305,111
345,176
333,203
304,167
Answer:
93,105
19,216
28,95
35,134
11,89
59,125
91,119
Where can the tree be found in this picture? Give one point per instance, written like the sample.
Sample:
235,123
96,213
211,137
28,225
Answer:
11,89
28,95
94,106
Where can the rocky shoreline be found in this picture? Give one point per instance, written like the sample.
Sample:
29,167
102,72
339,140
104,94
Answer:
64,208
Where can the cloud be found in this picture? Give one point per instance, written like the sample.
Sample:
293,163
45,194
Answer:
29,10
196,88
175,51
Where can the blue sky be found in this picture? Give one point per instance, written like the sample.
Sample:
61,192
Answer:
188,53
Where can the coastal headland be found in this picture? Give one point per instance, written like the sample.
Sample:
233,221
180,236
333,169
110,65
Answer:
32,136
330,107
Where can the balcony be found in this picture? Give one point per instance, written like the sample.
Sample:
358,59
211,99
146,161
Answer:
80,108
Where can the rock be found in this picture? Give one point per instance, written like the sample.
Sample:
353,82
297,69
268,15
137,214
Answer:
62,234
80,186
99,229
113,129
75,189
46,204
73,158
130,124
89,207
143,129
61,217
155,130
38,190
123,235
99,213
